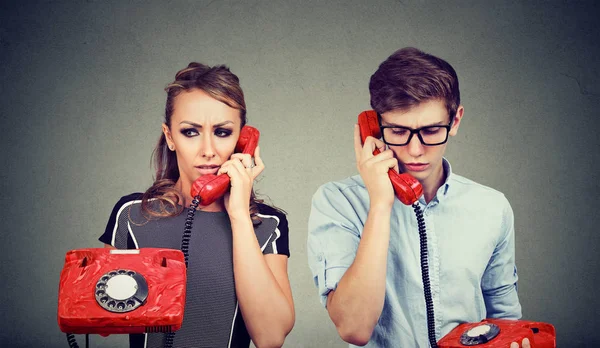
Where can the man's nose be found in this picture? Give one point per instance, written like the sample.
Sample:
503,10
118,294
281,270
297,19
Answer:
415,147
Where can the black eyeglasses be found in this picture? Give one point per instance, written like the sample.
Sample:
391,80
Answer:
429,136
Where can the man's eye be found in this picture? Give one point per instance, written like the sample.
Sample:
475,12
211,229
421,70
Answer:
431,130
399,131
223,132
189,132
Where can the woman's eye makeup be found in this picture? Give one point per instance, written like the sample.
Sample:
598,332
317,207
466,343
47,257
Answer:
219,132
223,132
189,132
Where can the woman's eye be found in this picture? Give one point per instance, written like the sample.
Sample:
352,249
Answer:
189,132
223,132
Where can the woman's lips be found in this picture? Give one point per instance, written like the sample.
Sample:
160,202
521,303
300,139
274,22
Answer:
416,167
203,170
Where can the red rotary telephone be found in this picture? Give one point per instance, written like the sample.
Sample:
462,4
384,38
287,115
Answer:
211,187
111,291
500,333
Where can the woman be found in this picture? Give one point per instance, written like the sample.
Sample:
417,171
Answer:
237,284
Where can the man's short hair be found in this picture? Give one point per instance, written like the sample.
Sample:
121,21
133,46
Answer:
409,77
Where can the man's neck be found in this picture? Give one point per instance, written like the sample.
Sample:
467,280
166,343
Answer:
433,183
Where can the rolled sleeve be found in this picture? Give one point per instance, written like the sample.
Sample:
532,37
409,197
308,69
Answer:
333,237
499,282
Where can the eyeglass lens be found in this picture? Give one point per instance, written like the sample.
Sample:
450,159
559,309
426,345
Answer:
432,135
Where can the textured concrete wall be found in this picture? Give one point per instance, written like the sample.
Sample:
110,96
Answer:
81,100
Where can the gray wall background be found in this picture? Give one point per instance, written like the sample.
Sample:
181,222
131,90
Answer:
81,100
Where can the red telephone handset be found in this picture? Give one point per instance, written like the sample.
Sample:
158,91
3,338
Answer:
211,187
407,189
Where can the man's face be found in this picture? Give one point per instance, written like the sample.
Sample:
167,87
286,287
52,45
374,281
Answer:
421,161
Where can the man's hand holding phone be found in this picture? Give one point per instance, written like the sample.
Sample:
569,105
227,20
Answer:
524,344
374,169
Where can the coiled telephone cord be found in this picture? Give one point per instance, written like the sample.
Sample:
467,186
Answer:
425,276
185,244
73,342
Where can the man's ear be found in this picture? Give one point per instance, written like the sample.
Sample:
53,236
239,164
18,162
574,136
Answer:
456,121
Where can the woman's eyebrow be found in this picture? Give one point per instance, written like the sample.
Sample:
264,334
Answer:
200,126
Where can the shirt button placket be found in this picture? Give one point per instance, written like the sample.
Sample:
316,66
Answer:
434,267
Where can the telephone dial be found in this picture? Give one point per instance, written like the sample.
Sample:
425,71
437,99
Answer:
488,333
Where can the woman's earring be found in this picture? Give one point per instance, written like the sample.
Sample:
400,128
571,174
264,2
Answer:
171,147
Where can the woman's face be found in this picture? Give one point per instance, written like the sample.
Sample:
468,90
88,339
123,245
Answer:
203,133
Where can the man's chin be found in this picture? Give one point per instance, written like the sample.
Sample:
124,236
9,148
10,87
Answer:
419,175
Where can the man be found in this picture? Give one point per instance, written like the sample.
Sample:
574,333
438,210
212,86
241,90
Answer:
363,243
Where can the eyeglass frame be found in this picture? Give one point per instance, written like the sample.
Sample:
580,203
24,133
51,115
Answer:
413,132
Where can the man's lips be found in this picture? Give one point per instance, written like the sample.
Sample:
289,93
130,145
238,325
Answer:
416,167
208,169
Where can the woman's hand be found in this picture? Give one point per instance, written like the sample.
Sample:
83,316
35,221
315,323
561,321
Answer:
241,172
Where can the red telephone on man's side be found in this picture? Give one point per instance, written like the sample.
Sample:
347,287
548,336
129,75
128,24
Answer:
407,189
500,333
211,187
111,291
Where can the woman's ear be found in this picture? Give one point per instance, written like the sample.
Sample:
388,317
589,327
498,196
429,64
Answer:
456,121
168,137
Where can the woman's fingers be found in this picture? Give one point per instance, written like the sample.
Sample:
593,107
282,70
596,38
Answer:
259,164
245,158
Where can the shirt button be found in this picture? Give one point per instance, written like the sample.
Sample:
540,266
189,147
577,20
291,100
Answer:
320,257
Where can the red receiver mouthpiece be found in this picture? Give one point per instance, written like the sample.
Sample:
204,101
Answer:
208,188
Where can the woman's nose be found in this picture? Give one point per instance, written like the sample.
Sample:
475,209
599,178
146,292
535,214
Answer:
208,149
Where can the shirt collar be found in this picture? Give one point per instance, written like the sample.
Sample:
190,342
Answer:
442,192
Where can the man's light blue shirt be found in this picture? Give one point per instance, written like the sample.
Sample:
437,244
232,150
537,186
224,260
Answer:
471,253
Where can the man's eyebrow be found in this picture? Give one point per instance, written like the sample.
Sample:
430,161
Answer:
200,126
390,124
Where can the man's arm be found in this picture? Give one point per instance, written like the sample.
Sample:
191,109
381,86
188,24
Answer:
356,294
356,304
499,281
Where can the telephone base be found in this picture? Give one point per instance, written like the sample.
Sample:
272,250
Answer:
490,333
109,291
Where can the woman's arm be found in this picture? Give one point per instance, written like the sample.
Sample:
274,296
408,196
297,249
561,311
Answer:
261,282
262,288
